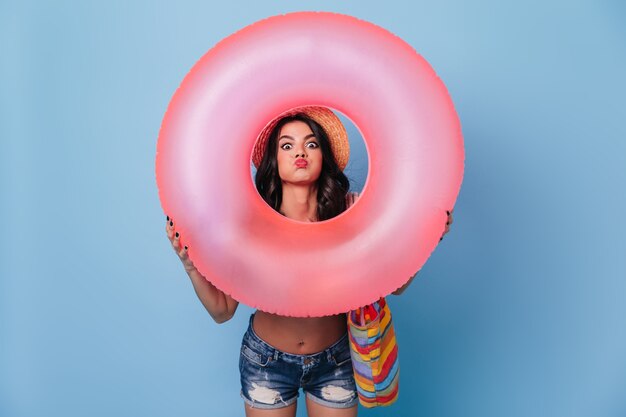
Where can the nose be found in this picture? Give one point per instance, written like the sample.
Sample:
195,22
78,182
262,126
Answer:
300,153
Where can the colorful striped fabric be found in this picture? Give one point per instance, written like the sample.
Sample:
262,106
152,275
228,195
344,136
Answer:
374,354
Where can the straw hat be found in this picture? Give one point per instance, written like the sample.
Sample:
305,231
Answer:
335,130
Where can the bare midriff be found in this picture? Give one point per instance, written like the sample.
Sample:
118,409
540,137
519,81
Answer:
299,335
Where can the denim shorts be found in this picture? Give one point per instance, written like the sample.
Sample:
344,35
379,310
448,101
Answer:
271,378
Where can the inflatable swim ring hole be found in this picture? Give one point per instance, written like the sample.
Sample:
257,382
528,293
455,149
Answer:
358,165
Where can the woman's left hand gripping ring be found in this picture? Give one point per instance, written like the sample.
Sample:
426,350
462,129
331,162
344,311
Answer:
448,223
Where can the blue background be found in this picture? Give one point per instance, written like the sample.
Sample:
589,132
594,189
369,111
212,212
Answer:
520,311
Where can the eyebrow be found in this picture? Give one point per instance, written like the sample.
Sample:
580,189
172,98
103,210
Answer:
289,137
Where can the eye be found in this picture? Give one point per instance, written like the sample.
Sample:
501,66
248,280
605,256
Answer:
315,145
285,144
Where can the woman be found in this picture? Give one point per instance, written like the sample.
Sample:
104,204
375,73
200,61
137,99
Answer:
299,156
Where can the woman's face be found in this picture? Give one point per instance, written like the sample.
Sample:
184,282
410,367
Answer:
299,155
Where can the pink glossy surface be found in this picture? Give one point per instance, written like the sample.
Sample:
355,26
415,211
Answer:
410,128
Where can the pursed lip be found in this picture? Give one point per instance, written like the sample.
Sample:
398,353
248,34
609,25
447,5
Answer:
301,162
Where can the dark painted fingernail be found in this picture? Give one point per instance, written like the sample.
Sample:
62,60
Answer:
447,211
171,223
176,234
168,218
440,238
447,223
185,247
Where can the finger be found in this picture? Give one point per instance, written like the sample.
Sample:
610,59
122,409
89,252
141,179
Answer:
448,221
184,257
176,241
169,228
182,253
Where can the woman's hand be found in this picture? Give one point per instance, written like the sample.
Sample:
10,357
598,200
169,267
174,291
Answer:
448,223
220,305
174,238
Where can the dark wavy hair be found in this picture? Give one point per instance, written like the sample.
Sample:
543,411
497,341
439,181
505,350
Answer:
332,184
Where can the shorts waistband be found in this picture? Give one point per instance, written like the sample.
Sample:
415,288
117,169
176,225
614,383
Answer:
273,351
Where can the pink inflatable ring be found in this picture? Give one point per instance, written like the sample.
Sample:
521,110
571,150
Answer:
412,135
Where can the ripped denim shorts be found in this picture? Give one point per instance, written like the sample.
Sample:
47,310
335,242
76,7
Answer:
271,378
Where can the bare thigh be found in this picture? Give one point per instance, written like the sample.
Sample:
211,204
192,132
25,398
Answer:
289,411
318,410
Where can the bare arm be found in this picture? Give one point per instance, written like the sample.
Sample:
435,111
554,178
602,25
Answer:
220,306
